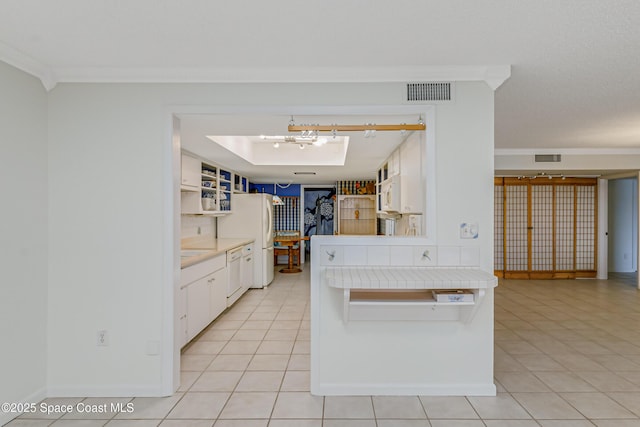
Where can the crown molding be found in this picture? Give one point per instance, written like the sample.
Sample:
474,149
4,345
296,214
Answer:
28,64
566,151
493,75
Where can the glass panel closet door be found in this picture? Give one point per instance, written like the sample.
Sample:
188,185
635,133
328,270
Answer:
516,232
545,228
565,214
542,228
498,227
586,227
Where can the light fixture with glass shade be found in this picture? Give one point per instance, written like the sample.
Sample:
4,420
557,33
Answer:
277,201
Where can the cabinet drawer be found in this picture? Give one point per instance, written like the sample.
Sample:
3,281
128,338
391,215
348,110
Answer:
247,249
234,254
196,271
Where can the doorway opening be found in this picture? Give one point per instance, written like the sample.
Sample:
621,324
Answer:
187,130
622,253
318,211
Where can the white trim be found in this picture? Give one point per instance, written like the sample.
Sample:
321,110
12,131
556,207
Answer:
567,151
169,237
28,64
405,390
170,353
34,397
493,75
638,230
429,218
292,74
603,230
129,390
308,110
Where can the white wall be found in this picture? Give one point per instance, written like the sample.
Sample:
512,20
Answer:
623,214
107,234
464,149
197,225
23,245
572,159
464,152
110,228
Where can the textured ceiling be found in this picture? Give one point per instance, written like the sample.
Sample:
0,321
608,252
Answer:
575,79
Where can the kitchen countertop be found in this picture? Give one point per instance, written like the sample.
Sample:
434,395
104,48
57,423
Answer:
213,247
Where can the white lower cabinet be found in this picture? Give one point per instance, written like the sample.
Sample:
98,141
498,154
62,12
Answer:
197,306
202,296
217,293
182,335
246,272
234,265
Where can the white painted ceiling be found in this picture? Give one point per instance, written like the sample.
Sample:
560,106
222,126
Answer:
362,158
575,76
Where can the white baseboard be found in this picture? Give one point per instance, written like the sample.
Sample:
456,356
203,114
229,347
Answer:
118,390
404,390
34,397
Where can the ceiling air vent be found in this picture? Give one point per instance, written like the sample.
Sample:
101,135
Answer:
428,91
542,158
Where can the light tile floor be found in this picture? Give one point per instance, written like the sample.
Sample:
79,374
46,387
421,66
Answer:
567,354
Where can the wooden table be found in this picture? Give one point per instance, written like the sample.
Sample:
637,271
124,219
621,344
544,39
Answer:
290,242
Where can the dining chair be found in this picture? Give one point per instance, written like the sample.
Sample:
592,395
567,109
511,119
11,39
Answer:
284,250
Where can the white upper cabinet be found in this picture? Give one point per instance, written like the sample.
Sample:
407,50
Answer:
394,163
400,183
190,173
412,188
207,189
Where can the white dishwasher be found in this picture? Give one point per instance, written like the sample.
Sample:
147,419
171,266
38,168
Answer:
247,276
234,264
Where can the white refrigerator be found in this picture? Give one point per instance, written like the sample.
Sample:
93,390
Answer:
252,216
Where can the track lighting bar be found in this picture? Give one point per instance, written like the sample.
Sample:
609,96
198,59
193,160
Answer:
543,175
356,128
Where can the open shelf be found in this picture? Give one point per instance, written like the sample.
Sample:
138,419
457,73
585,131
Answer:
405,304
356,214
406,293
401,296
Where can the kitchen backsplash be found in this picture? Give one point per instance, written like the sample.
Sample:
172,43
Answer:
191,223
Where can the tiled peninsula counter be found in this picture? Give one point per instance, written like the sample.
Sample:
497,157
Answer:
377,329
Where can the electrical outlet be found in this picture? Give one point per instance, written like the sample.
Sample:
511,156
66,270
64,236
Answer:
102,338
